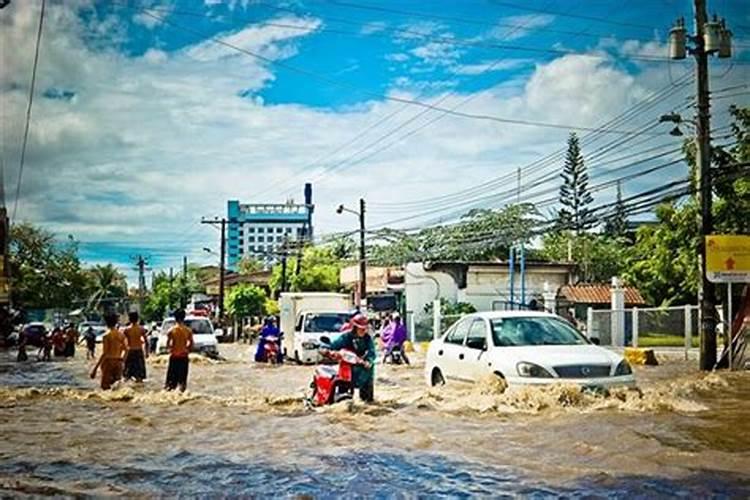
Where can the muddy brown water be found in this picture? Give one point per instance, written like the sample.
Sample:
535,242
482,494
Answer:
244,429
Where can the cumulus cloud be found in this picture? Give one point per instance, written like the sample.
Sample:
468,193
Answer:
153,142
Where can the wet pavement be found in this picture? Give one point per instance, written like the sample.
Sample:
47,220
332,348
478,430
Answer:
244,429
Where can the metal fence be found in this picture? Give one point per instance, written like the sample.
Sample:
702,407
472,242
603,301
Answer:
645,327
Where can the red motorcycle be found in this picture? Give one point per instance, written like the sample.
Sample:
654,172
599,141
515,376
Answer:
271,349
332,384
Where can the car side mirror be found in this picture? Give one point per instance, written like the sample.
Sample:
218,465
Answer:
595,340
325,340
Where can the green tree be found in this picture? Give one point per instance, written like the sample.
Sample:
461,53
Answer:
246,300
320,272
45,272
574,192
663,263
617,224
597,257
249,265
107,286
161,298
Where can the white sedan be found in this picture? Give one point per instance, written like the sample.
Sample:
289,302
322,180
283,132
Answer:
524,348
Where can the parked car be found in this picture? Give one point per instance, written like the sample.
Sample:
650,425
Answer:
204,339
35,333
524,348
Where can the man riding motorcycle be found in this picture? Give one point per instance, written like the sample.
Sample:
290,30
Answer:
356,338
269,330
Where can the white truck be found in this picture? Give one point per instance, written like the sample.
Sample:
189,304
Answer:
308,316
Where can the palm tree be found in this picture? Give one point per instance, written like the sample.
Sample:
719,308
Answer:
107,283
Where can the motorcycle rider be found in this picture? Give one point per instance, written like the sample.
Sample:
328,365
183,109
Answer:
269,330
357,338
396,338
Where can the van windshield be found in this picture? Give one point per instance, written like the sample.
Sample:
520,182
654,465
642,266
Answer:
325,322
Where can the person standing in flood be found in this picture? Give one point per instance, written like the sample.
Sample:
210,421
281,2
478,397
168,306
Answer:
135,361
179,344
114,347
90,337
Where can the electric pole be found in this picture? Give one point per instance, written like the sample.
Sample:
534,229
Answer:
362,261
141,263
711,38
223,223
171,283
184,295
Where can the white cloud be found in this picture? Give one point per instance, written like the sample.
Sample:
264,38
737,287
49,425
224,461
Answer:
515,27
397,57
152,143
373,27
488,66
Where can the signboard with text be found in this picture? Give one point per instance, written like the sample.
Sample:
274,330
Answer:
728,258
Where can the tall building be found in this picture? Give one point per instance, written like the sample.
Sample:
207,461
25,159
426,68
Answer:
260,230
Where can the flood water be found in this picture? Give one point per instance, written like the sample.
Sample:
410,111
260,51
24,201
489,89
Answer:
243,429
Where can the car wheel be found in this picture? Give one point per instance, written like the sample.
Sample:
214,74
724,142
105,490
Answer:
437,377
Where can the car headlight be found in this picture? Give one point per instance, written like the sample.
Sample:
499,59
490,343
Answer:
623,369
531,370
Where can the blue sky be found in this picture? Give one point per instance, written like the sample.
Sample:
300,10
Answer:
143,124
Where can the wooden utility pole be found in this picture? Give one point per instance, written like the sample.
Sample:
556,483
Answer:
362,254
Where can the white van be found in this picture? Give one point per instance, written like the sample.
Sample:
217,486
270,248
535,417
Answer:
204,339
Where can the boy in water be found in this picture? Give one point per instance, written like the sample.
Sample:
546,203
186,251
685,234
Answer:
135,361
179,344
90,338
114,347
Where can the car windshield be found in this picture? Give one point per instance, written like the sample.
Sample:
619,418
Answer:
199,326
330,322
534,331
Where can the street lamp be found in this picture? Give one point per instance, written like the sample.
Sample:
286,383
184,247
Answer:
362,263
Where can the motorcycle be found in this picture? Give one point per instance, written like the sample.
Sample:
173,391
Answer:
332,384
271,349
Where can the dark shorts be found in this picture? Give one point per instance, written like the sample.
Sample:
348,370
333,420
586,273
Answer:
135,365
177,373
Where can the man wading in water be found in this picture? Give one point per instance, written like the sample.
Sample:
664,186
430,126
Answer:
114,347
179,343
135,362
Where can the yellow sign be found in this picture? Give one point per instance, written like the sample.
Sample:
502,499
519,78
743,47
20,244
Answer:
728,258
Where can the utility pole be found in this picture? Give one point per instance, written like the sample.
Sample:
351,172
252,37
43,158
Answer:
184,294
141,267
711,38
362,255
171,284
223,223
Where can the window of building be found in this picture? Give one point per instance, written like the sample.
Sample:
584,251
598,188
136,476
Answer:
251,230
251,248
241,251
289,230
251,239
261,239
279,230
261,229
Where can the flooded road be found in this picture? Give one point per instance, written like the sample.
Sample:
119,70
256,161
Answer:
244,429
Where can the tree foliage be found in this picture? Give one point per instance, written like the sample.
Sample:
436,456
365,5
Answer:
664,261
45,273
482,234
249,265
597,257
574,192
107,285
320,271
616,224
246,300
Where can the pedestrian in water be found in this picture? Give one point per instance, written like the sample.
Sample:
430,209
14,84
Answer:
22,356
45,351
179,344
135,361
90,338
396,338
114,347
71,339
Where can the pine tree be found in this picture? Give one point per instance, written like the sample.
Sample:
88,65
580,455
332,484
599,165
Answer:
574,192
617,223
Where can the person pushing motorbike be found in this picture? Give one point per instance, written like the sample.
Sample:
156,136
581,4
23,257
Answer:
356,337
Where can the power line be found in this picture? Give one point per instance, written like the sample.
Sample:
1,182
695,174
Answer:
28,110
